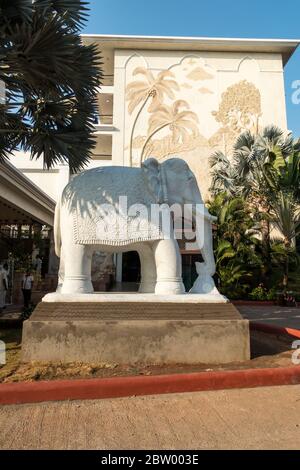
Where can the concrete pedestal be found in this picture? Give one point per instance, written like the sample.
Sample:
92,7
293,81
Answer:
136,332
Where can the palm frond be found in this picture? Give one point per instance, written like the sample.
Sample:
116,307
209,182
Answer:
51,80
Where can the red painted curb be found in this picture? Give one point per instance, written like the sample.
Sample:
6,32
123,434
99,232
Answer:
274,329
88,389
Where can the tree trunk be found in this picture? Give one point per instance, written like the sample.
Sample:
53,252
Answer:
265,231
149,138
285,280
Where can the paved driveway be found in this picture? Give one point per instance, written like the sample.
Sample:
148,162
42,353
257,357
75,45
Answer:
262,418
272,315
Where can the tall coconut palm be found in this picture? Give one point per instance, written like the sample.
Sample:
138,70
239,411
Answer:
151,88
50,81
181,122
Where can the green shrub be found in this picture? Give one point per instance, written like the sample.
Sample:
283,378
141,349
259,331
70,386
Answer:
272,294
259,293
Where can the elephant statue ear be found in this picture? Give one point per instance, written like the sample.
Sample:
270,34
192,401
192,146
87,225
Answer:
151,168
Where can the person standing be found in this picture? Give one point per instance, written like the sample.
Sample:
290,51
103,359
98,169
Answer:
27,285
6,268
3,287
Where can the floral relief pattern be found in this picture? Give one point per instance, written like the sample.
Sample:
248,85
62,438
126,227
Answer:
240,107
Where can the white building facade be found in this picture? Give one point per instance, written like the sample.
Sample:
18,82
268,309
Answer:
186,97
226,85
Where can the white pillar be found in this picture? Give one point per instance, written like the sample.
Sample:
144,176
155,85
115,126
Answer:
63,178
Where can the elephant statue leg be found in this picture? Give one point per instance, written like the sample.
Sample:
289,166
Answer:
148,269
168,265
77,270
61,273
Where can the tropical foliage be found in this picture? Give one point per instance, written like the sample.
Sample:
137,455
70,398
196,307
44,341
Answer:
50,80
237,244
256,159
263,172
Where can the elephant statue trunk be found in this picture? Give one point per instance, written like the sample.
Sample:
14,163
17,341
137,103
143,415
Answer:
204,284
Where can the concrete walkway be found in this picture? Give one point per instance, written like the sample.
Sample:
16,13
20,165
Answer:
262,418
272,315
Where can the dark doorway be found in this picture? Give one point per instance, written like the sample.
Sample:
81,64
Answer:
189,273
131,269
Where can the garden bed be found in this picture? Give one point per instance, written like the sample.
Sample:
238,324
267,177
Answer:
267,351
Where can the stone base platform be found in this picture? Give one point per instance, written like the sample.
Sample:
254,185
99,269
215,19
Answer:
166,332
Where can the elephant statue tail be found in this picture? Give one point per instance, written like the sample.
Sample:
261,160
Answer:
57,237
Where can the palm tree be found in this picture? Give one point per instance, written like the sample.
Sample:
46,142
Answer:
236,243
140,92
289,174
285,215
50,80
182,123
262,167
224,177
256,159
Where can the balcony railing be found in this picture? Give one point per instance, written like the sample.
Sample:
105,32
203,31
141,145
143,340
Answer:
104,119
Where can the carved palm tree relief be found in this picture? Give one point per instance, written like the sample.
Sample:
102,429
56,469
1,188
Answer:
140,92
178,118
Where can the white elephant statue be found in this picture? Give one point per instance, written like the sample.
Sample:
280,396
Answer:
84,223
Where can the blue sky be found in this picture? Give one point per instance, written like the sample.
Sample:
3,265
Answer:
217,18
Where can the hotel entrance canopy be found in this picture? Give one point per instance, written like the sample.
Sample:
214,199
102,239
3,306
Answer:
21,201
